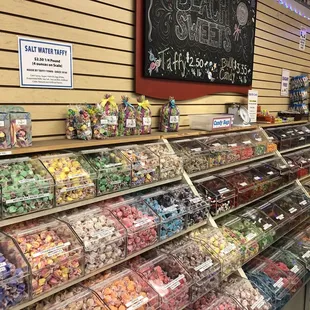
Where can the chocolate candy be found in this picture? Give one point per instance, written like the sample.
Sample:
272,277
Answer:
140,221
145,164
103,236
21,129
171,165
171,212
73,176
113,170
52,250
126,118
26,186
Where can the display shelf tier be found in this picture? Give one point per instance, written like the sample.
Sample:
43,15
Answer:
302,147
252,201
267,125
237,163
83,203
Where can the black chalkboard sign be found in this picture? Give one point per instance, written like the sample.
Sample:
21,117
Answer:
200,40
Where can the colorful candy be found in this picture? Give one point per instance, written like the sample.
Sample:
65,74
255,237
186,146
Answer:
169,117
83,124
21,129
143,117
126,118
5,134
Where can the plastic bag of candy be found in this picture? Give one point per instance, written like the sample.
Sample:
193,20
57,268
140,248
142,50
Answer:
169,117
143,117
126,118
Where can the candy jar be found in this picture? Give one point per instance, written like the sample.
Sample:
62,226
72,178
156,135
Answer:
71,132
73,175
140,222
143,117
14,274
113,169
5,135
171,211
83,124
104,238
171,165
26,186
169,117
53,251
21,128
126,118
127,290
169,279
218,193
145,164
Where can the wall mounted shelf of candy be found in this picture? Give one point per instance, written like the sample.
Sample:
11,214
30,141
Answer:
62,181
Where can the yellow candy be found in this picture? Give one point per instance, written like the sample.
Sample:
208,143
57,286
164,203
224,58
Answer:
51,170
42,282
66,169
69,199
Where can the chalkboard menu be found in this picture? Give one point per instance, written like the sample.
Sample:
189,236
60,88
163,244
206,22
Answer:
208,41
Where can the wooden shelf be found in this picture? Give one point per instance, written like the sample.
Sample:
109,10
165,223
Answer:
264,125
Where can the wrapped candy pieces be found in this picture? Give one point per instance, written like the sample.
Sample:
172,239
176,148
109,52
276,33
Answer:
126,118
71,132
169,117
83,124
5,136
21,129
143,117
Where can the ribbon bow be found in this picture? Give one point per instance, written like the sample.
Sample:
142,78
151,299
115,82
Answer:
110,99
126,103
144,104
172,102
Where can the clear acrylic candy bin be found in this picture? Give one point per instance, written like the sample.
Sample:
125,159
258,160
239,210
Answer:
103,236
284,140
74,177
282,167
53,251
145,164
170,281
171,165
171,212
25,187
220,194
113,170
140,221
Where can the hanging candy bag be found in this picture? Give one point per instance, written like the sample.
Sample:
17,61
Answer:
71,132
169,117
126,118
83,124
143,117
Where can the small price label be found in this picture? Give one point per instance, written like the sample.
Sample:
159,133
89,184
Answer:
306,255
280,217
112,120
229,248
246,142
5,153
266,226
195,200
174,119
1,123
197,149
142,222
130,123
292,210
147,121
104,121
257,178
243,184
223,190
204,266
250,236
270,172
259,303
21,122
295,269
303,203
279,283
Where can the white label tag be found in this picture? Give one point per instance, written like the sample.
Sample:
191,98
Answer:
112,120
246,142
216,144
26,181
279,283
270,172
229,248
301,132
103,233
303,203
5,153
243,184
171,208
266,226
198,149
292,210
259,303
195,200
104,121
306,255
25,198
292,166
54,251
303,161
258,139
295,269
147,121
1,123
21,122
67,189
257,178
174,119
3,264
142,222
250,236
204,266
223,190
232,145
282,167
280,217
130,123
2,269
174,283
137,303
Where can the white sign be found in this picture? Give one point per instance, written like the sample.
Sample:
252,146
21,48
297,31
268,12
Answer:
302,39
219,123
252,104
45,64
285,81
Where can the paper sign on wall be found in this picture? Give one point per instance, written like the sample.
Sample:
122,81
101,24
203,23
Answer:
45,64
302,39
285,82
252,104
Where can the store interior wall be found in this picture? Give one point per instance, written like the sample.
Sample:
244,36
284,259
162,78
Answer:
102,34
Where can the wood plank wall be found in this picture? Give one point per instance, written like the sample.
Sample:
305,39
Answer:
102,34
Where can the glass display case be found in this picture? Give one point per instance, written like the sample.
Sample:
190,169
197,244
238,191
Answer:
74,177
171,165
204,269
273,142
248,143
302,160
25,187
14,274
284,140
286,172
170,210
127,290
195,154
222,246
144,164
306,129
140,221
103,236
113,170
197,208
169,279
294,168
298,137
53,251
220,194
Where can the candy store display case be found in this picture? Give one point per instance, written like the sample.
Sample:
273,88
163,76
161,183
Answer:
53,251
25,187
169,279
260,141
285,140
222,246
302,160
127,290
272,144
223,302
300,197
144,163
294,168
204,269
171,165
285,171
197,208
247,294
170,210
140,221
249,145
297,136
306,130
75,179
113,170
248,239
14,274
220,194
103,236
195,154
